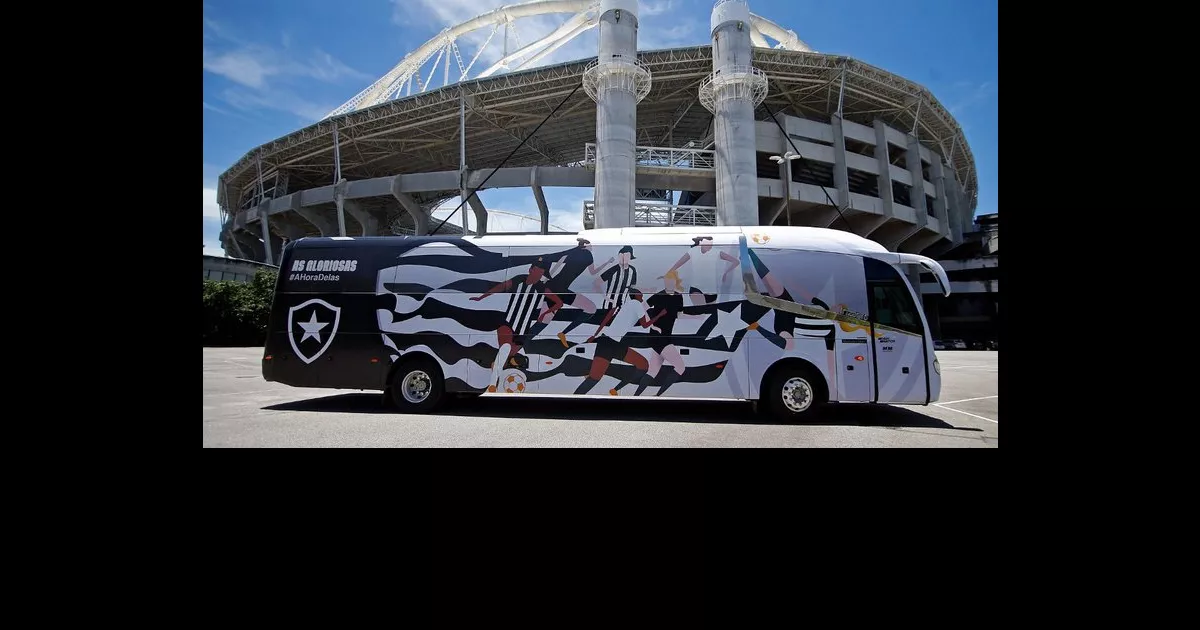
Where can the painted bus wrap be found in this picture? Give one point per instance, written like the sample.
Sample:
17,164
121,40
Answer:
677,312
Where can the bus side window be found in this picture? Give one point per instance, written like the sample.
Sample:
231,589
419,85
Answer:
883,310
894,307
891,302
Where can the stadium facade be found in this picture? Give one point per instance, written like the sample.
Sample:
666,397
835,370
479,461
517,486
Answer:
736,131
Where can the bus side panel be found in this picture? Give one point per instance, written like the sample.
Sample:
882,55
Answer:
826,280
856,370
432,310
693,351
324,322
900,346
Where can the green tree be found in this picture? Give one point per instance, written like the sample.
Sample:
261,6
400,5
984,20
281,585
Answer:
237,313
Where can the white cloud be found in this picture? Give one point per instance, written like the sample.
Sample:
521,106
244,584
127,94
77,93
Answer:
662,24
438,14
266,77
211,209
212,234
239,66
684,31
211,171
646,9
976,93
280,100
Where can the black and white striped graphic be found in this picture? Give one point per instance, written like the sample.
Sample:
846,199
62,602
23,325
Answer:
523,305
619,280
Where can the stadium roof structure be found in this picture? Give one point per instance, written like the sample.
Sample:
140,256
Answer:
420,133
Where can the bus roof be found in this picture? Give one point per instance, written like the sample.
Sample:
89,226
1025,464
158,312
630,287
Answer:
819,239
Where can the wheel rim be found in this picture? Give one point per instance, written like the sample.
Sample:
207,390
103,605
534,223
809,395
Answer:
416,386
797,394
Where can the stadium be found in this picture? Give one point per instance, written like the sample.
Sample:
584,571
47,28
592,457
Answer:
683,136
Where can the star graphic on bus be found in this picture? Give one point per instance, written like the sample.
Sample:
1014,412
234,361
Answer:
312,328
728,324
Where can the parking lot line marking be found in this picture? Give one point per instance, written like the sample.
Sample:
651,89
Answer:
970,366
968,400
966,413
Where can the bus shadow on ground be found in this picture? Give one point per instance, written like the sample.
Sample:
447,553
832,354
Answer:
627,409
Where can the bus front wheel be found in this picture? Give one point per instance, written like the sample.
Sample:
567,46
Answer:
417,386
796,393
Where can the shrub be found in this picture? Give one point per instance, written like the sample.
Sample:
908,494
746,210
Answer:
236,313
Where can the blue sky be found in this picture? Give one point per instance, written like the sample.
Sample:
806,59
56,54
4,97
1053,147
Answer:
274,66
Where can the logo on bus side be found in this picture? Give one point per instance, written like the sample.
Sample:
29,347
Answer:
315,270
311,328
324,265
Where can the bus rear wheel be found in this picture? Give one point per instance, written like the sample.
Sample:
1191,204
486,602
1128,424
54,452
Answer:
418,386
795,394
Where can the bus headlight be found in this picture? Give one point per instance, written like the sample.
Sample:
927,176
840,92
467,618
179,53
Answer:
937,367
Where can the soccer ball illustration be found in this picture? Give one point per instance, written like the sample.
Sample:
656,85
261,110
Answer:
512,382
761,238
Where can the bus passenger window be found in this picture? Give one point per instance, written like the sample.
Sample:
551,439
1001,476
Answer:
891,302
883,309
894,307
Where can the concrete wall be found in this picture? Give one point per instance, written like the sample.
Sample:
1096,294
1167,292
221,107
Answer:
234,269
884,219
908,227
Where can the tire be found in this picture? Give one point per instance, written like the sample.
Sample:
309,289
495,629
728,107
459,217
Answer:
796,394
418,386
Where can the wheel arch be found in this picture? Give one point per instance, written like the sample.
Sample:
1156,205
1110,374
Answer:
407,358
793,363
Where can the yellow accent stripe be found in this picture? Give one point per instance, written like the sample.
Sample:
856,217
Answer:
847,323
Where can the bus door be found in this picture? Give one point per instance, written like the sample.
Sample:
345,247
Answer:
898,345
856,376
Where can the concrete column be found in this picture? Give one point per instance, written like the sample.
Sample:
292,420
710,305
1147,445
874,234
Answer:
913,273
276,250
420,217
311,215
785,204
841,177
368,220
543,209
885,171
231,246
251,246
869,224
933,314
289,229
339,192
938,249
919,240
939,189
264,222
612,84
917,194
954,205
893,244
733,111
480,214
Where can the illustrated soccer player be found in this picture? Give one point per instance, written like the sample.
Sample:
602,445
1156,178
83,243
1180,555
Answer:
617,322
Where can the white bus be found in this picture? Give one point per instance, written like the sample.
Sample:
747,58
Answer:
790,317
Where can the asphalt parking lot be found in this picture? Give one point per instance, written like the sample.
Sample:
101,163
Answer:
243,410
